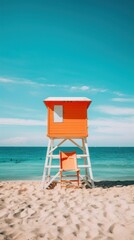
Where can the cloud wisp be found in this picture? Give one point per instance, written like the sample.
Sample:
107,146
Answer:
25,140
123,99
91,89
119,94
81,88
85,88
78,88
22,81
112,110
23,122
6,80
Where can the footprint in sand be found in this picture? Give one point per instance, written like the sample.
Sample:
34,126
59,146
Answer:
65,215
111,228
78,226
105,214
8,220
60,229
94,206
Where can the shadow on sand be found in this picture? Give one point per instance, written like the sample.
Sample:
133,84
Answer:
108,184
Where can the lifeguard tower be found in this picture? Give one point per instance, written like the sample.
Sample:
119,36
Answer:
67,120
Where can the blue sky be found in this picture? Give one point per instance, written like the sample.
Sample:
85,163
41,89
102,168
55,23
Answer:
66,48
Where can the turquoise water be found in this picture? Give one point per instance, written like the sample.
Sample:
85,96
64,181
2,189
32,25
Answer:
25,163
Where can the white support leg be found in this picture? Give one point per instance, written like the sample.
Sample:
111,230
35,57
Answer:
51,156
89,162
46,163
85,159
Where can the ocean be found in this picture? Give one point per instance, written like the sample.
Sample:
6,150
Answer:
27,163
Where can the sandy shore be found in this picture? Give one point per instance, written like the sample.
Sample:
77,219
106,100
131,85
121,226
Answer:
29,213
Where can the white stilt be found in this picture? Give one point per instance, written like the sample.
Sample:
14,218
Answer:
89,162
85,159
50,160
46,163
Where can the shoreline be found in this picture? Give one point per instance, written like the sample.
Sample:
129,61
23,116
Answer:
98,183
31,213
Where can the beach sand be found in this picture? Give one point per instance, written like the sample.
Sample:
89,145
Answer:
29,213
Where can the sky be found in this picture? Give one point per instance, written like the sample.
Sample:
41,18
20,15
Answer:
66,48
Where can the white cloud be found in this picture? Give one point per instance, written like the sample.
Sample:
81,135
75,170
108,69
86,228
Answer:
101,90
110,141
17,81
123,99
14,141
84,88
116,125
24,122
119,93
79,88
88,89
112,132
112,110
6,80
22,81
18,108
25,140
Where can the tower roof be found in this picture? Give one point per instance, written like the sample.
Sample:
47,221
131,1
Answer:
67,99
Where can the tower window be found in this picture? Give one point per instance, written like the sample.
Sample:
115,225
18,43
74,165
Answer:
58,113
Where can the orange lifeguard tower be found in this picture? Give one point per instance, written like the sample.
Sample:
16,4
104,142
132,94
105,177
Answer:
67,120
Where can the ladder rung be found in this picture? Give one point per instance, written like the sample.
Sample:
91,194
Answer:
78,155
58,166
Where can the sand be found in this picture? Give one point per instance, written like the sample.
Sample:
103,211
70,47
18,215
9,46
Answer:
29,213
